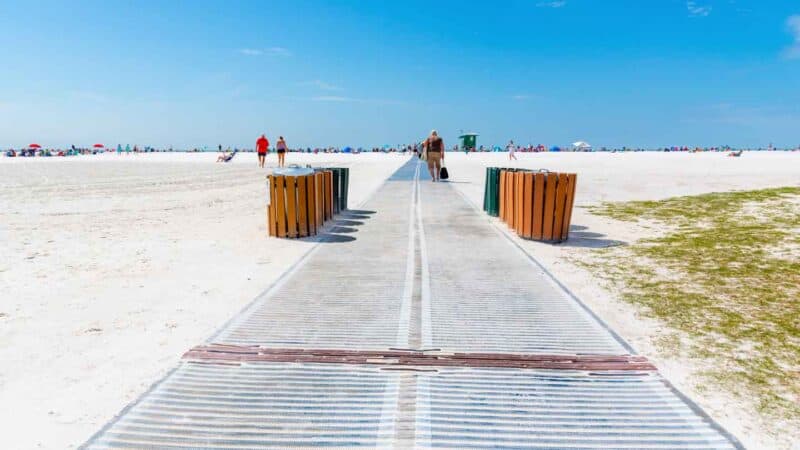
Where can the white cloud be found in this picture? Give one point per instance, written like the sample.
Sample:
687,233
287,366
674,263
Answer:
367,101
270,51
250,52
793,24
87,96
554,4
319,84
278,51
696,10
334,98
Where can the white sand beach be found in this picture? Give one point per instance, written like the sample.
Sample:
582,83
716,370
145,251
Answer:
112,266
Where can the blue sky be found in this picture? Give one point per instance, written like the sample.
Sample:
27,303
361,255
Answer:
193,73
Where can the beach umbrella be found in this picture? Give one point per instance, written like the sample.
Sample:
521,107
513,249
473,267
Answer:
98,146
555,149
347,150
581,145
34,146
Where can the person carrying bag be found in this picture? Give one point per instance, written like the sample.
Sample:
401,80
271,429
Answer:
434,154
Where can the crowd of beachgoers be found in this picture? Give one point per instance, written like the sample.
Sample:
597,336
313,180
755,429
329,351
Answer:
39,151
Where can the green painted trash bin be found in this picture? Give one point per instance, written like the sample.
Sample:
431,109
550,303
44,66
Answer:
491,191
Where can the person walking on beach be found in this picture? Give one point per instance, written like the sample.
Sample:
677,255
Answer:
281,148
262,144
434,147
511,149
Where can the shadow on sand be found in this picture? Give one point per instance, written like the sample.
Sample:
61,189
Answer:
343,226
588,239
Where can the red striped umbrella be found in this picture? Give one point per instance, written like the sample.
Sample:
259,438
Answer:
34,146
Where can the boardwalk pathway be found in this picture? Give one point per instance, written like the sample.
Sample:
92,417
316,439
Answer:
429,329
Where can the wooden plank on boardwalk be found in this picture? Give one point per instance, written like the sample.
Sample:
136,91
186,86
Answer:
311,211
280,205
538,204
518,200
302,206
527,205
561,200
573,181
291,206
502,195
549,206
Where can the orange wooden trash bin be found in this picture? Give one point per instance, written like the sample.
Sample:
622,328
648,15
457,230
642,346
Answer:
537,205
300,201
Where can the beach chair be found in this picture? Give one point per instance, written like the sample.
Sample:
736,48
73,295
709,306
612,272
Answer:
230,157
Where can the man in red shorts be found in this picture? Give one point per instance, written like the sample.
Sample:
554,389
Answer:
262,144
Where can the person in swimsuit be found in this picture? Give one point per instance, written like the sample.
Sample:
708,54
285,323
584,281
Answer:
281,147
434,147
511,149
262,144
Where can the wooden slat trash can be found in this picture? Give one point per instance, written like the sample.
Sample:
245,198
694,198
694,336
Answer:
327,192
294,208
506,194
341,184
537,205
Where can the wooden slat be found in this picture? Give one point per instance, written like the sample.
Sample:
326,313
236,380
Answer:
302,207
527,205
328,194
502,196
538,204
549,206
518,200
320,199
291,206
271,208
311,210
280,205
573,180
510,199
561,200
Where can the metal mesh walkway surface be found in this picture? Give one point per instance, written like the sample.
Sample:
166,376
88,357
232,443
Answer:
487,297
428,330
348,295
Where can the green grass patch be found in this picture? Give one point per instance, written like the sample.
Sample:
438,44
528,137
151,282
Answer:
726,271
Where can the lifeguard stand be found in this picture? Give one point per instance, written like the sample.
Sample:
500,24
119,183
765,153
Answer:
468,141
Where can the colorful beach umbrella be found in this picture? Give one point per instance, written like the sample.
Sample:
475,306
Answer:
34,146
99,146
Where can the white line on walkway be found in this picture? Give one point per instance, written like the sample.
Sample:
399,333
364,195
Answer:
426,332
404,327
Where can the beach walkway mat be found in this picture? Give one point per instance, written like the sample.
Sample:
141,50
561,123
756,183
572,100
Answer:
429,329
